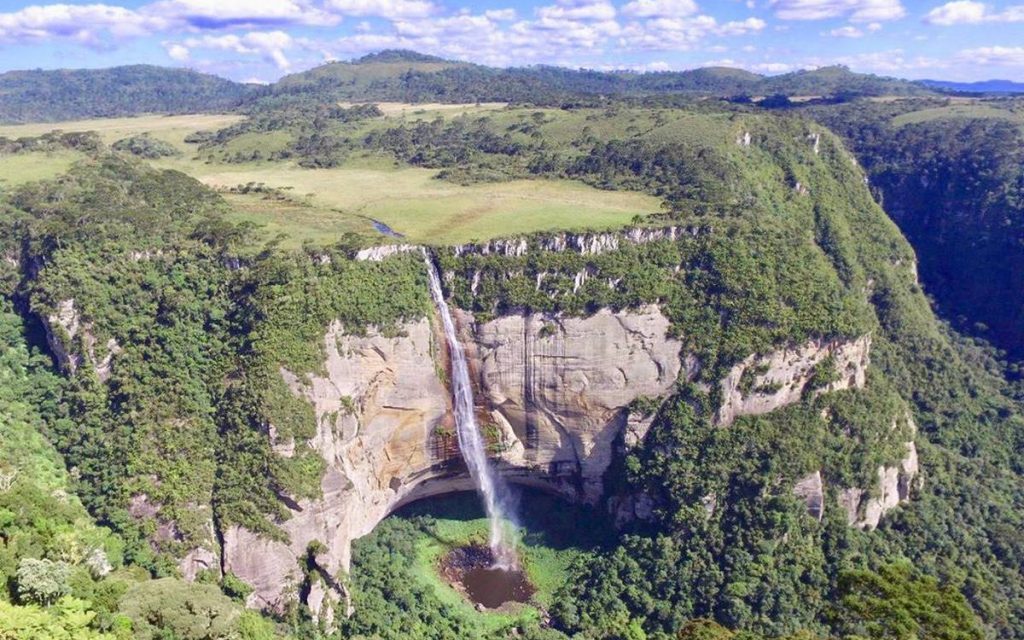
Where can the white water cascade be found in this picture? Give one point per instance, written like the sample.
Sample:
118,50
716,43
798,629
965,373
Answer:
471,443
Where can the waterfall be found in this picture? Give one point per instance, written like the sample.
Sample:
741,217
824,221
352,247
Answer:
471,443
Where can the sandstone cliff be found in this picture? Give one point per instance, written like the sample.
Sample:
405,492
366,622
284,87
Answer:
559,388
377,406
762,384
554,395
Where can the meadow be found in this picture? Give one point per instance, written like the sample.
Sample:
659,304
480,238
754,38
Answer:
327,203
27,167
423,209
973,109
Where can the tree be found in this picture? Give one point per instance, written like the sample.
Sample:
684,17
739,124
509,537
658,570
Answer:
67,619
170,607
42,582
896,602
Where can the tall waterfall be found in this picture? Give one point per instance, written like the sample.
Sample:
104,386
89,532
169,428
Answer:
471,443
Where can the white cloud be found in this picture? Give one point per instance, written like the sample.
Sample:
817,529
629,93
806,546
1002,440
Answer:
660,8
970,12
177,52
391,9
741,27
501,15
960,12
993,56
848,31
664,34
771,67
98,24
854,10
641,67
884,62
598,10
756,67
86,24
269,45
220,14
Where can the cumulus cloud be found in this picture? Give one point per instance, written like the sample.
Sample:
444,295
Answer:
219,14
885,62
996,56
849,31
854,10
85,24
664,34
741,27
391,9
970,12
177,52
269,45
596,10
97,24
660,8
501,15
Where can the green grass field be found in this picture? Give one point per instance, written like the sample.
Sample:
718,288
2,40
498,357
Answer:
26,167
172,129
972,110
423,209
345,199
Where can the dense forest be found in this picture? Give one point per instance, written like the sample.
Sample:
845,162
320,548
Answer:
954,183
49,96
411,77
144,329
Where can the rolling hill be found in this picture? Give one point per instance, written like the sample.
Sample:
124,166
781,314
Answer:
49,96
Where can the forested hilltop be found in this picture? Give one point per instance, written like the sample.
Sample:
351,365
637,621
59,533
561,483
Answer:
832,460
49,96
407,76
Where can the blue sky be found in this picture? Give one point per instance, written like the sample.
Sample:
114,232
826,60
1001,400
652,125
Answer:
261,40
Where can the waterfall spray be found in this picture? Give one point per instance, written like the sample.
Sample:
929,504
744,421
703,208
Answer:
471,443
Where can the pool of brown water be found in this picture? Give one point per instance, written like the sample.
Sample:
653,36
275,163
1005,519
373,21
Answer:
470,570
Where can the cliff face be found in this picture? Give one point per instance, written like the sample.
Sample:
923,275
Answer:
553,396
558,388
378,404
763,383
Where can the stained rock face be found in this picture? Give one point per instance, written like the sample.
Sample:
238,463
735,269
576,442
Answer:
553,397
556,395
583,243
762,384
376,407
811,490
559,387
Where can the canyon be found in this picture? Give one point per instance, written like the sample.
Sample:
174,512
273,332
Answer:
557,399
556,403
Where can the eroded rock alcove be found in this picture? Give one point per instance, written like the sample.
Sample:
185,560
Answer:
553,397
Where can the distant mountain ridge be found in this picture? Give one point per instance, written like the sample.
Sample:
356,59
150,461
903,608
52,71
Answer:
983,86
409,76
49,96
397,75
